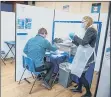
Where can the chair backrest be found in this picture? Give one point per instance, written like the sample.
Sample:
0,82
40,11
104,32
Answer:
28,64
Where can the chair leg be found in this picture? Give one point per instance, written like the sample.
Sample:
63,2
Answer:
41,78
22,76
12,60
32,86
32,75
55,78
3,61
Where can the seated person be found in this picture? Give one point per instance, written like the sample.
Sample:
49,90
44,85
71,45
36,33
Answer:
35,48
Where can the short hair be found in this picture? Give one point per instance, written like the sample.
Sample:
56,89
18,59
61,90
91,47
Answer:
42,31
89,20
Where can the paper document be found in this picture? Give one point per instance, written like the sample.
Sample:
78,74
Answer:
47,53
65,44
57,52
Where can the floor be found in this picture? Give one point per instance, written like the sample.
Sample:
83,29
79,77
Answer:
10,88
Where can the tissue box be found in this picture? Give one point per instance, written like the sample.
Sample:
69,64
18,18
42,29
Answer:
64,74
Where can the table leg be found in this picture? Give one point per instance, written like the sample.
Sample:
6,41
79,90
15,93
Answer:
8,52
11,49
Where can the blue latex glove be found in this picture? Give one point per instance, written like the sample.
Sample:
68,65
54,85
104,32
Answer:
71,35
55,45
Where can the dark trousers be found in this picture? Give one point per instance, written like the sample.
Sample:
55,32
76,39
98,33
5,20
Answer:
49,68
83,81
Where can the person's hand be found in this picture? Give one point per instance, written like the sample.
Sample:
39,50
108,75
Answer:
55,44
58,47
71,35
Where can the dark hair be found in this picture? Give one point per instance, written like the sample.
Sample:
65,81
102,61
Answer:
42,31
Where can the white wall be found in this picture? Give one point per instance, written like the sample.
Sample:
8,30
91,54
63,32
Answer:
7,30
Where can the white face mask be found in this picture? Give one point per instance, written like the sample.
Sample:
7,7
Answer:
83,25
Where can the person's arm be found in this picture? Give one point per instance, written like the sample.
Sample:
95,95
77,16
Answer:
50,47
77,44
87,38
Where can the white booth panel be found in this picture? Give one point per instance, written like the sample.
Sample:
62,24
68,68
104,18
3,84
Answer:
41,17
66,16
7,30
103,19
62,30
104,83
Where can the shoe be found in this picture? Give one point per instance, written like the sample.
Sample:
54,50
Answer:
45,84
76,90
39,77
87,95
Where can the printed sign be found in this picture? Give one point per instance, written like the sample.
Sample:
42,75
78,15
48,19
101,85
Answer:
96,8
66,8
20,23
28,23
24,23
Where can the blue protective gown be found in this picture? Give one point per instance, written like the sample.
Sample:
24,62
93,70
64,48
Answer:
36,47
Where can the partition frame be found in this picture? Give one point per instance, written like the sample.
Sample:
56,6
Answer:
95,22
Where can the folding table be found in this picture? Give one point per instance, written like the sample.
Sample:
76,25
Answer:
11,45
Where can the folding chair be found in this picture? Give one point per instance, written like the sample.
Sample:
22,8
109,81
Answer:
29,65
2,52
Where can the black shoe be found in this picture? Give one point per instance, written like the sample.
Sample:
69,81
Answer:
76,90
87,95
39,77
45,84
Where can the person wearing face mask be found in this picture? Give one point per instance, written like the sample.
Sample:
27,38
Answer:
85,47
35,49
